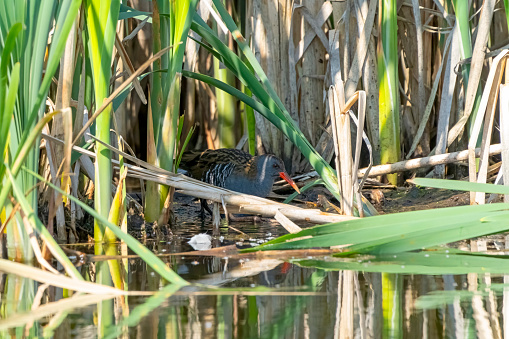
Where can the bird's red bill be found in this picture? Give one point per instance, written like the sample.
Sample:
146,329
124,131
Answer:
289,180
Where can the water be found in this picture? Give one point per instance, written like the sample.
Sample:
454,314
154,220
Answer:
264,297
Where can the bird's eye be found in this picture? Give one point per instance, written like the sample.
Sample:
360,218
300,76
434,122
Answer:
276,165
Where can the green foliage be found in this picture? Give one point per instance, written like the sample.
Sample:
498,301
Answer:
389,90
171,23
100,15
396,233
24,32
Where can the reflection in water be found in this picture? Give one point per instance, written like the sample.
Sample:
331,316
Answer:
301,303
266,298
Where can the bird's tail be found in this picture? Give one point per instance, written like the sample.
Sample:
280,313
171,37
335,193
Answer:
190,159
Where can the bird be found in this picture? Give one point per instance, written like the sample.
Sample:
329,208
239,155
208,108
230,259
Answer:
236,170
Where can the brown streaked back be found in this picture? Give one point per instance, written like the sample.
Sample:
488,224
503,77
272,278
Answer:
198,163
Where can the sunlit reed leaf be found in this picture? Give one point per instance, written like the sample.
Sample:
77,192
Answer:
101,21
8,94
397,232
66,16
127,12
480,225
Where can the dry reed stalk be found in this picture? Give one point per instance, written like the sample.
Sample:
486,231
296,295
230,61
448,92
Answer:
343,147
62,127
270,29
129,68
79,120
366,22
486,116
364,64
336,101
340,121
57,211
446,100
421,94
409,83
311,106
370,81
426,114
345,162
479,52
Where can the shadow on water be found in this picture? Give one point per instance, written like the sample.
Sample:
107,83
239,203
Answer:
311,297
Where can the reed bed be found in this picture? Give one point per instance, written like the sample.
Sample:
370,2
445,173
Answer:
417,82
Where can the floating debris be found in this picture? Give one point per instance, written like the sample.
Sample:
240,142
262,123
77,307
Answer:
201,242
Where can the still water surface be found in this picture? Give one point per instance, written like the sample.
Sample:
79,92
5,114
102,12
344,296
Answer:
267,298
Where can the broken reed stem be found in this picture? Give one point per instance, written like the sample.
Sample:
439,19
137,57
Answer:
434,160
289,225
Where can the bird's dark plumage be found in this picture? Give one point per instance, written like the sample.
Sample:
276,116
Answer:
235,170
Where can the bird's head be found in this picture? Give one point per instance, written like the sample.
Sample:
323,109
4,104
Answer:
271,166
